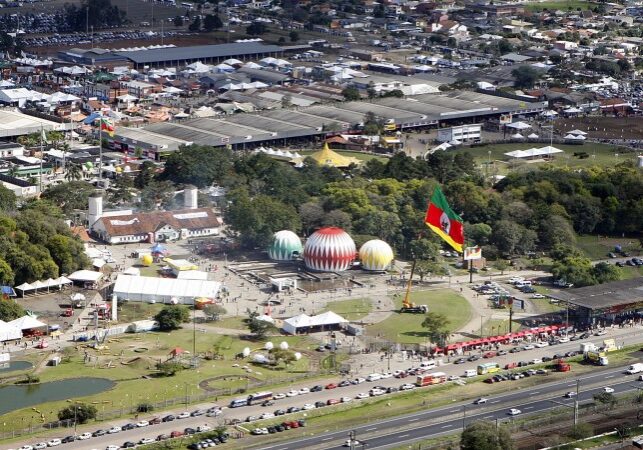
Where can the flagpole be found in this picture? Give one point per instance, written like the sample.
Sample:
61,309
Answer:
100,148
42,154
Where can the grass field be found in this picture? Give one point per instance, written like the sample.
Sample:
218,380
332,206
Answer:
407,328
131,311
234,323
130,389
563,5
598,247
600,155
494,327
359,155
353,309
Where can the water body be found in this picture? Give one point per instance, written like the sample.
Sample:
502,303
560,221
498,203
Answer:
22,396
15,365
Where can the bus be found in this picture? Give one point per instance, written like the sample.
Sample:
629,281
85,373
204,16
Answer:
489,367
431,378
238,402
259,397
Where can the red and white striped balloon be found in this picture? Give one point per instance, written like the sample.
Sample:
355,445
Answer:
329,249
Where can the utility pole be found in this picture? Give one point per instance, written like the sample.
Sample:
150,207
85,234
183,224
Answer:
464,416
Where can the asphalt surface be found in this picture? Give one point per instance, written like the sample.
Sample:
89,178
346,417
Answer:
401,430
624,336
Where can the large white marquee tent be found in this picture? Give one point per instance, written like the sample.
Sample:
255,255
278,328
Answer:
303,322
163,290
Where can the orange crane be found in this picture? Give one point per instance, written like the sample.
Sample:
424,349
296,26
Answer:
407,306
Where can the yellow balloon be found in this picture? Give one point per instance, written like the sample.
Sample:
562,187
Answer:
147,260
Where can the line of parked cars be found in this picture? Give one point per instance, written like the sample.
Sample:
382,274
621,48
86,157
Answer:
278,428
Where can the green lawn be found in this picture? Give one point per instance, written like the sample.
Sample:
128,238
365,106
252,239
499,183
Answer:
407,328
359,155
353,309
234,323
598,247
131,311
563,5
600,155
494,327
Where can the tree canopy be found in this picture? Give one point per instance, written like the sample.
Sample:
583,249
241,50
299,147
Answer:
171,317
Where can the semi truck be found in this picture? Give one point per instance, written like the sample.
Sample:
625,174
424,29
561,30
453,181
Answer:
635,368
596,357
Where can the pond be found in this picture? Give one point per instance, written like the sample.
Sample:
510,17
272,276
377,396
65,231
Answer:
21,396
15,365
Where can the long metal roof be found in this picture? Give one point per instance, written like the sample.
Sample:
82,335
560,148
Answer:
199,52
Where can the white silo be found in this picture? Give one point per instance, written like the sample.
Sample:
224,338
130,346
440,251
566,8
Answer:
191,197
95,211
640,164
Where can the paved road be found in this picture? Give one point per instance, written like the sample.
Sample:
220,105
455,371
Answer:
626,336
446,420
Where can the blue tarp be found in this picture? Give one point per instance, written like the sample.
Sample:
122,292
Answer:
7,290
90,119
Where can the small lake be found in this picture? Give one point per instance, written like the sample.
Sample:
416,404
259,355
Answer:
15,365
22,396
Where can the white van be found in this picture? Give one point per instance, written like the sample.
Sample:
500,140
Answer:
374,377
470,373
428,365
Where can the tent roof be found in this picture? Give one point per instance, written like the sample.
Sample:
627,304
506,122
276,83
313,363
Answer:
328,157
519,125
548,150
26,323
85,275
25,287
303,320
135,271
127,285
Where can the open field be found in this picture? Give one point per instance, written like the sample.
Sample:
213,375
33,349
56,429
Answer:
353,309
131,311
603,127
597,247
119,362
407,328
493,327
500,164
234,323
563,5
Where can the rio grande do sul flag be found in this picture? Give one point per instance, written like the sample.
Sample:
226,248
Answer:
442,220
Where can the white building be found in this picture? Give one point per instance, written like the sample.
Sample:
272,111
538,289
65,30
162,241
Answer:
462,133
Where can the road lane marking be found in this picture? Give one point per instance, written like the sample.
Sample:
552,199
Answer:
327,439
371,429
495,401
487,417
446,426
454,411
528,407
611,376
413,420
573,384
403,435
534,393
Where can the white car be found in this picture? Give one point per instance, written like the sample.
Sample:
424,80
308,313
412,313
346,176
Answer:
387,375
374,377
114,430
292,393
481,400
528,347
361,395
570,394
514,412
536,361
112,447
26,447
84,436
267,415
304,390
358,380
538,296
40,445
453,378
146,441
376,392
563,340
308,406
278,396
407,387
142,423
542,344
183,415
260,431
351,443
54,443
608,389
346,399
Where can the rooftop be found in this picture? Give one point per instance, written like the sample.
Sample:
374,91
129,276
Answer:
608,295
199,52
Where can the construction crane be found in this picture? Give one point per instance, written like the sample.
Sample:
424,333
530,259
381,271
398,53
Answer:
407,306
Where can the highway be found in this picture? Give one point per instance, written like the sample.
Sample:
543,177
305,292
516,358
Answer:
446,420
625,336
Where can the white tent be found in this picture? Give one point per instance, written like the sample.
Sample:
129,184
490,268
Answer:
232,62
572,110
519,126
64,280
25,287
192,275
26,323
533,136
517,136
534,152
550,113
327,319
9,332
164,289
578,132
575,137
78,297
265,318
86,276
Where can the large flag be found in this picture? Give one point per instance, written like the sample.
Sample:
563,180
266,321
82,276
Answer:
442,220
107,125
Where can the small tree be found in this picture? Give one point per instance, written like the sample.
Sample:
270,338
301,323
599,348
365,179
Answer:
351,93
581,431
171,317
437,326
424,268
485,436
144,407
501,265
605,398
214,312
280,355
258,328
81,413
10,310
169,368
294,36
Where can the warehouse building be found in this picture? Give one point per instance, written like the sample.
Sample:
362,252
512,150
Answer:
604,304
279,126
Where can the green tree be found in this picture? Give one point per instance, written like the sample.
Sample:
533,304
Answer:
198,165
6,273
171,317
437,326
485,436
195,26
581,431
256,29
283,356
424,268
294,36
157,194
145,175
211,22
74,171
525,77
178,21
10,310
351,93
69,196
7,199
81,413
214,311
258,328
605,398
169,368
477,233
501,265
